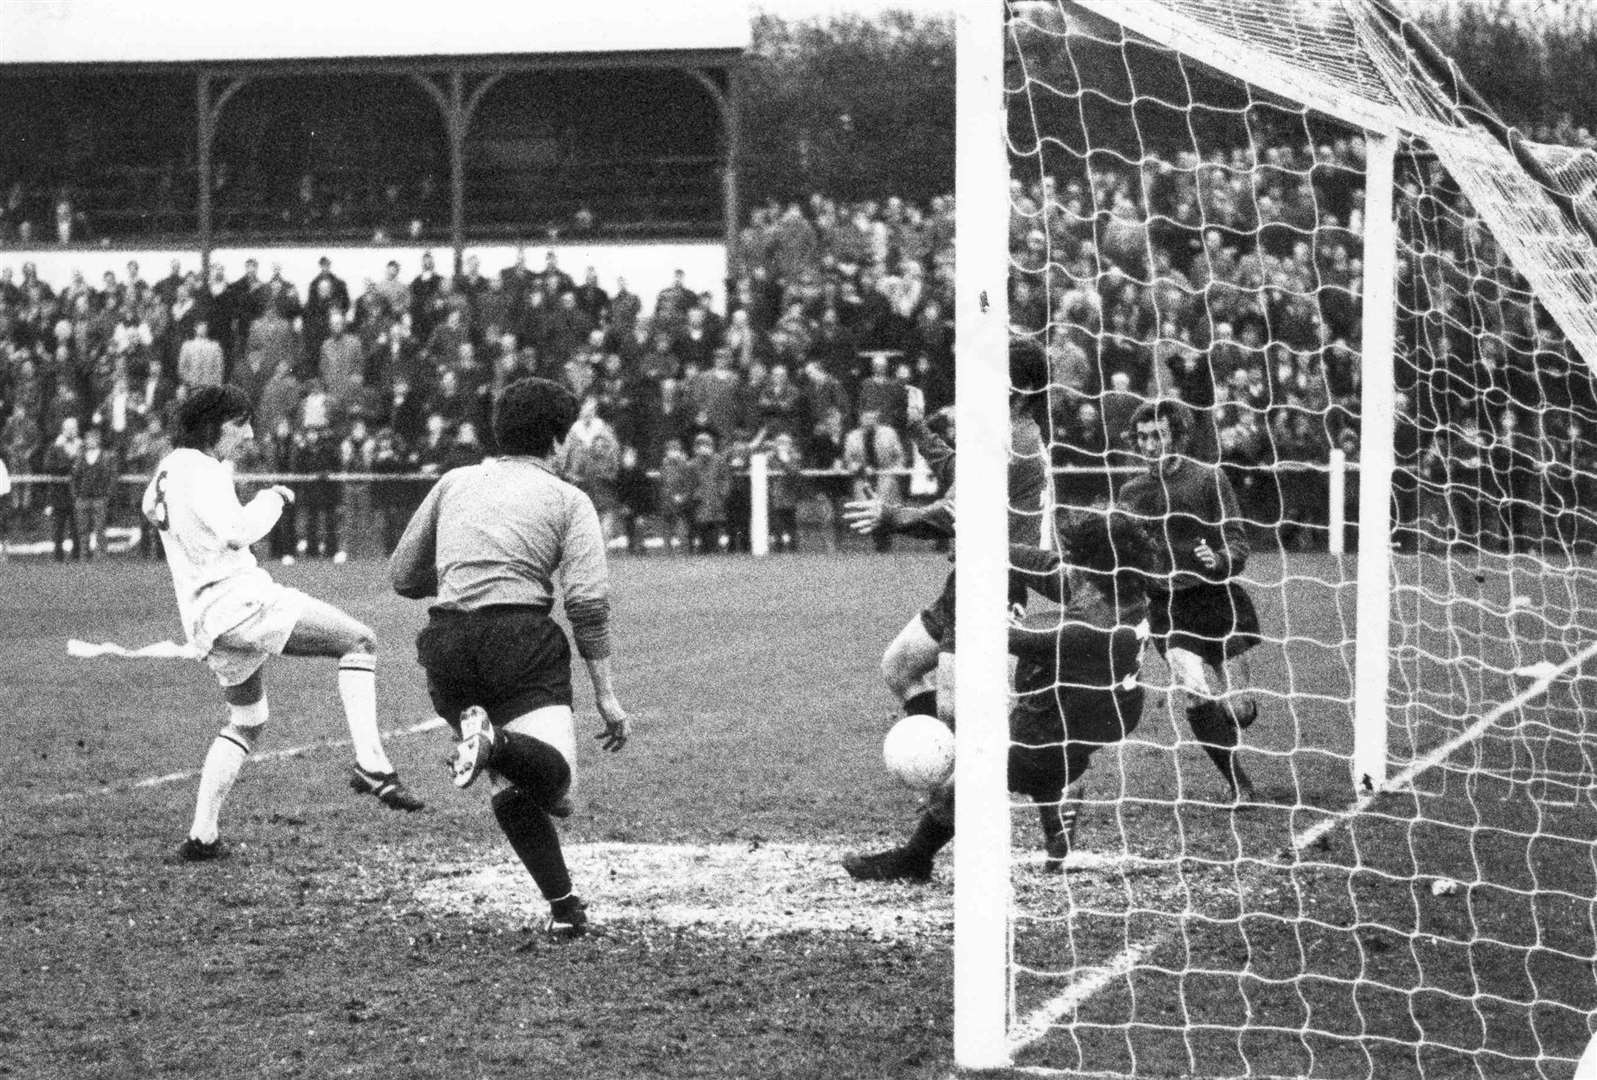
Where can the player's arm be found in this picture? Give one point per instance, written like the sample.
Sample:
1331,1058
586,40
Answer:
587,602
934,521
412,569
1040,571
217,509
1234,547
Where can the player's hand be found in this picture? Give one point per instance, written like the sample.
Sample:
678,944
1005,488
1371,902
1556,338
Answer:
1206,555
865,515
617,727
285,493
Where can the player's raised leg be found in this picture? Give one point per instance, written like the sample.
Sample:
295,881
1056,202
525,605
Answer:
909,668
324,630
535,758
247,716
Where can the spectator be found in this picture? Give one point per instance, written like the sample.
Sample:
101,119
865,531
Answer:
785,490
59,461
672,304
779,404
591,461
426,306
634,496
341,357
625,308
719,395
393,500
395,293
465,448
711,482
200,360
675,500
317,454
94,476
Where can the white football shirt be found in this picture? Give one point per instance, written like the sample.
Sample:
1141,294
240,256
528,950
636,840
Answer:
207,533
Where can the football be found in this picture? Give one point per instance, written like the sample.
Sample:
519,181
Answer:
919,750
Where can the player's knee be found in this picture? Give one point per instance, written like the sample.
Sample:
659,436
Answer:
1189,673
245,723
363,639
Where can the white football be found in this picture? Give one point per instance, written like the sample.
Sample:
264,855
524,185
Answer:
919,750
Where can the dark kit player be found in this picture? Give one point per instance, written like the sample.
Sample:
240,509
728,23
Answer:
1203,620
1075,686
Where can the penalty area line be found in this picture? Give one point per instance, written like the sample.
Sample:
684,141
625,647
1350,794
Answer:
192,774
1088,981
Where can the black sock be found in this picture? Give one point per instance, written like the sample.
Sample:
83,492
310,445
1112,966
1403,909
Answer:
1218,736
931,836
921,704
533,838
532,765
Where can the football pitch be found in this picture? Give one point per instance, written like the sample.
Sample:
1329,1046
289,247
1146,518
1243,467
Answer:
343,939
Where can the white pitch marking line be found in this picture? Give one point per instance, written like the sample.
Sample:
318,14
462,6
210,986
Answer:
1090,980
190,774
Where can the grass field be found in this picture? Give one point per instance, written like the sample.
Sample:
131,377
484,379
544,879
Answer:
346,940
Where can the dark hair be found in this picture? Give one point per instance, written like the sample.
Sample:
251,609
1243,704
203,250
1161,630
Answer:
1028,370
1170,409
1111,546
197,422
532,415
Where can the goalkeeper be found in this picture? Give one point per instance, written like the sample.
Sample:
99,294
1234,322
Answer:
1203,620
1075,685
909,665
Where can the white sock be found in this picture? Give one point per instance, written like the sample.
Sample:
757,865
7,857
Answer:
357,688
222,764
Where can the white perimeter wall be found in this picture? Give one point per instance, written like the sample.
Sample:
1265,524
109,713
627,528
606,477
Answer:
646,267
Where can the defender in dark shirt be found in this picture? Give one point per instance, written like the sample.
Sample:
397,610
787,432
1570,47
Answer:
1075,685
1203,620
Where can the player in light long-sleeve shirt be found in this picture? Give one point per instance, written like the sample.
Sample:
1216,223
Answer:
487,543
236,616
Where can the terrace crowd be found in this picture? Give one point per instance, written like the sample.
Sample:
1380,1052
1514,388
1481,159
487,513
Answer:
1230,281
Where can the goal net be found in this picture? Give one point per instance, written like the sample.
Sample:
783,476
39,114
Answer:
1296,219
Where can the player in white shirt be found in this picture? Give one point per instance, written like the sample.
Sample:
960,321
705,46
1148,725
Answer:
237,616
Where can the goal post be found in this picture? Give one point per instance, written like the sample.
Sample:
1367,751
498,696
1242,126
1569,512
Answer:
981,695
1372,663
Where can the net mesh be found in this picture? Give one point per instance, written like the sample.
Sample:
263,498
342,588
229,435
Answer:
1188,221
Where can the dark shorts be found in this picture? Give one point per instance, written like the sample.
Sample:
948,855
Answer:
1215,621
938,618
1047,751
509,660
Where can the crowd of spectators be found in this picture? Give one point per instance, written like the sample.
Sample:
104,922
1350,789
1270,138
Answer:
1230,280
811,360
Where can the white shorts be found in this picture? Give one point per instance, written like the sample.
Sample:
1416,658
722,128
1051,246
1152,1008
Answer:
270,613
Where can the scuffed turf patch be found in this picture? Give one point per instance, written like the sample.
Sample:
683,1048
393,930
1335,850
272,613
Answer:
740,890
